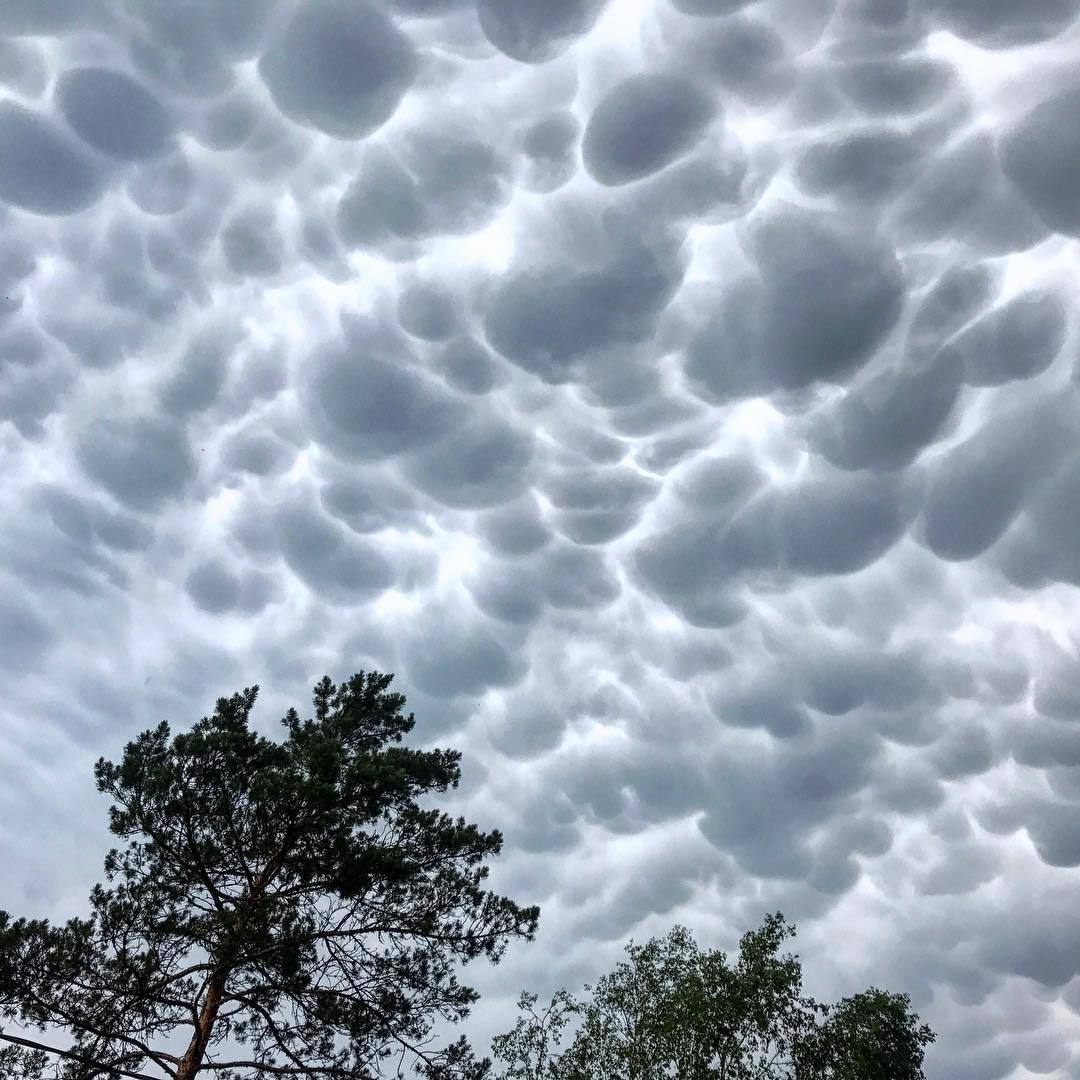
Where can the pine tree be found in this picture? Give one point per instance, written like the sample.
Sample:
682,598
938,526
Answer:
278,908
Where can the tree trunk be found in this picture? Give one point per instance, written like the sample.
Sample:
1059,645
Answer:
191,1062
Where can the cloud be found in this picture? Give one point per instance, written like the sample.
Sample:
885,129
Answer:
534,33
679,396
1041,156
340,67
114,113
43,171
643,124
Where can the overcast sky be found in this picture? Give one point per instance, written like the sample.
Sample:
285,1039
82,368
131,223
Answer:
679,396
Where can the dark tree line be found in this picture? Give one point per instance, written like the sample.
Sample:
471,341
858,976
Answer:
286,909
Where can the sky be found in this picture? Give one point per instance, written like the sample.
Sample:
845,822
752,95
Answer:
678,396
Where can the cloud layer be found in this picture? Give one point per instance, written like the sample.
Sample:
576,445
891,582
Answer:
680,396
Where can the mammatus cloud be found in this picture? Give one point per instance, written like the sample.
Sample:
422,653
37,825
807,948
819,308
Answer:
680,397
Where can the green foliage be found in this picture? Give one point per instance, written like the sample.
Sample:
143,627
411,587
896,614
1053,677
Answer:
672,1010
290,899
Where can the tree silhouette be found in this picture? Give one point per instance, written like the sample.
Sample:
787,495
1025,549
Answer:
278,908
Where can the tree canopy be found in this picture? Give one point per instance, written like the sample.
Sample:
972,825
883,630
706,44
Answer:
673,1010
277,908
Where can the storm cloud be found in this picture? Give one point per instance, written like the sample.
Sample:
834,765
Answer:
680,396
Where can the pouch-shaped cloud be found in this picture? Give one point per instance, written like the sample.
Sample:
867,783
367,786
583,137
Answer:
114,113
534,31
711,7
340,66
1041,156
547,319
481,464
141,462
41,170
1002,23
824,298
1017,340
366,400
978,488
887,420
745,56
438,182
643,124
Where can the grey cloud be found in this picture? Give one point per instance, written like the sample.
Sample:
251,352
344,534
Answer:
227,124
366,401
44,16
1057,689
1001,24
1041,156
766,705
744,56
711,7
142,462
719,482
979,487
338,568
825,298
427,311
527,728
576,579
867,167
535,31
835,680
192,46
252,244
25,638
383,202
837,525
447,656
340,66
1065,781
41,170
550,145
547,320
762,812
643,124
516,529
963,193
199,377
439,182
427,9
1039,549
835,869
955,298
832,295
910,791
368,504
1017,340
163,185
966,750
885,421
22,67
481,464
594,506
216,589
1042,945
114,113
510,594
467,366
829,524
961,873
901,86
